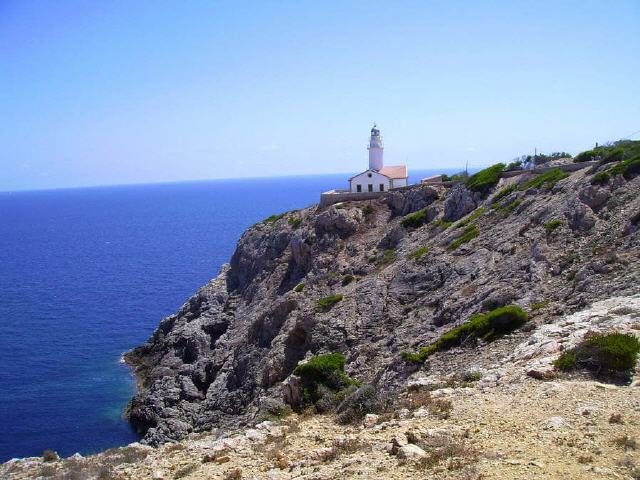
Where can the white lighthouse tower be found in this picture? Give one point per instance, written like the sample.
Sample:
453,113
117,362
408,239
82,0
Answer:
375,149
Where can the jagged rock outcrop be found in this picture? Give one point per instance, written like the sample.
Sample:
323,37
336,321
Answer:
459,202
220,360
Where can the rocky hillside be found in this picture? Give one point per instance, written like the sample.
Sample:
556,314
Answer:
440,380
377,278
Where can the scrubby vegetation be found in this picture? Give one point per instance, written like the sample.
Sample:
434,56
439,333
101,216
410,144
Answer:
540,305
294,222
627,168
486,179
298,288
504,192
545,180
347,279
601,178
469,234
386,257
323,376
415,220
551,225
366,399
273,218
442,223
609,355
326,303
511,206
486,326
470,218
367,210
419,253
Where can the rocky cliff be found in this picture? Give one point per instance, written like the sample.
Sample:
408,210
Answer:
398,272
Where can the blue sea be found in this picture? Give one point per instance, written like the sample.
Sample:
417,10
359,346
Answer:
86,274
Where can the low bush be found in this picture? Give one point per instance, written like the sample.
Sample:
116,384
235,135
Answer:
415,220
627,168
298,288
601,178
470,218
608,355
614,155
327,302
273,218
540,305
486,179
547,180
388,256
442,223
347,279
486,326
419,253
469,234
551,225
507,209
367,210
504,192
589,155
323,376
294,222
364,400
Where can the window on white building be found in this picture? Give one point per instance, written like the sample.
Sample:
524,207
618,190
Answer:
358,188
370,187
382,187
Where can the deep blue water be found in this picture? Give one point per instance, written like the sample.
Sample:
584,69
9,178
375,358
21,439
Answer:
86,274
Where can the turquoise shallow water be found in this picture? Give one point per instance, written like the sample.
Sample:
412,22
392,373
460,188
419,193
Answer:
86,274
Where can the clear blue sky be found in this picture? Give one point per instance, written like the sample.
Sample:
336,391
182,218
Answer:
143,91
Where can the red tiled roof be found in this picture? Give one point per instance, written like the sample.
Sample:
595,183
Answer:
395,171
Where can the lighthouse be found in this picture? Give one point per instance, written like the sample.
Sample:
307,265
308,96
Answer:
375,149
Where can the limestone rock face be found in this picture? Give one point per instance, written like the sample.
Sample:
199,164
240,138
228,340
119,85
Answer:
459,202
220,361
409,201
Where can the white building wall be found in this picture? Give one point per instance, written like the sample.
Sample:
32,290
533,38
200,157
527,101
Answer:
398,182
370,177
375,158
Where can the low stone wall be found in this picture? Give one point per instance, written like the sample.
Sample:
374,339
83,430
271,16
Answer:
337,196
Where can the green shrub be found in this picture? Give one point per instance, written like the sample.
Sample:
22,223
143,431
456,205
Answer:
469,234
298,288
327,302
539,305
511,206
551,225
614,155
347,279
547,180
273,218
627,168
294,222
504,192
486,179
416,254
415,220
613,354
487,326
442,223
387,257
470,218
367,210
323,375
589,155
601,178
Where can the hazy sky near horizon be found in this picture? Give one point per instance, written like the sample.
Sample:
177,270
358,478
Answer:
95,93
